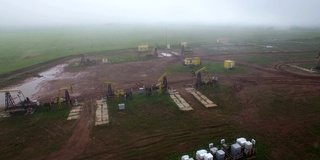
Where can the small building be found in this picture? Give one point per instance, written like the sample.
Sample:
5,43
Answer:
195,61
121,106
229,64
142,48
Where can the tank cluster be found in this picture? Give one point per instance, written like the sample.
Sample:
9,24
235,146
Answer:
241,148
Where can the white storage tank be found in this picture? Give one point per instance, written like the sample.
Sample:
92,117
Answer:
241,141
208,156
235,149
220,155
213,150
185,157
200,154
248,145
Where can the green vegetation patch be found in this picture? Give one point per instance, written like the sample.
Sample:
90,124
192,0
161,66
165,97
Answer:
224,98
145,110
269,59
261,60
277,106
130,59
30,136
308,65
212,67
154,128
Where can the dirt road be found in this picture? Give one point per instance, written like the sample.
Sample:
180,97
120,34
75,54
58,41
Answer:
79,139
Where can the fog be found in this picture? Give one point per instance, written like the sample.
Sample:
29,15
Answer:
213,12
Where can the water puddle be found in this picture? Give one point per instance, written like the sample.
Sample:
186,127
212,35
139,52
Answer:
164,55
32,85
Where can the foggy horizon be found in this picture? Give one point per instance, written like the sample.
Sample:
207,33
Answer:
270,13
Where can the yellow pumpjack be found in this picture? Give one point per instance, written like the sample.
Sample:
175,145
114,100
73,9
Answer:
117,93
161,85
58,100
202,78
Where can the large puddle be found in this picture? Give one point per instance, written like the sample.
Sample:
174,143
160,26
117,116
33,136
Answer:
32,85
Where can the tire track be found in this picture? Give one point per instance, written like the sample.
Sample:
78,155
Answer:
162,139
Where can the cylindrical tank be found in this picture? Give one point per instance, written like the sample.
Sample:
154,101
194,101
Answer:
248,145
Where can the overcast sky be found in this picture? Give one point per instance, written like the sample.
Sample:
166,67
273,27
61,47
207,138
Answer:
221,12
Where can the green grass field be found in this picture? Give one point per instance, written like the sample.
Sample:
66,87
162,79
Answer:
156,121
23,137
22,48
265,60
212,67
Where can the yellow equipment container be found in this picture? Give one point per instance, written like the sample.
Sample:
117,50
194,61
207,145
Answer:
195,61
142,48
229,64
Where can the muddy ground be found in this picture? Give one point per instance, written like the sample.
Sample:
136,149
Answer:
271,99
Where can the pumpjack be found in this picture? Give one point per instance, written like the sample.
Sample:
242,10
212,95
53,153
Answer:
117,93
156,50
86,61
23,105
202,78
185,49
59,100
161,86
